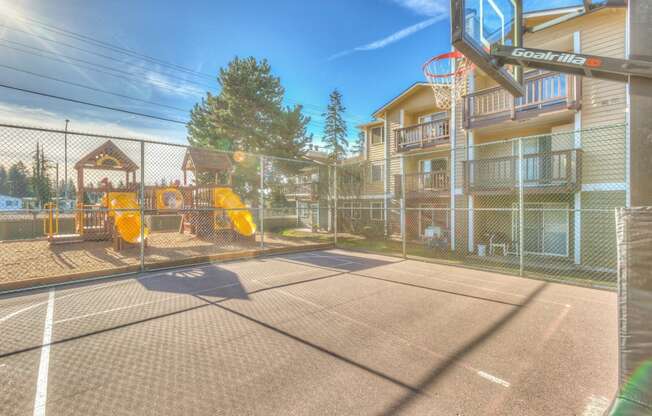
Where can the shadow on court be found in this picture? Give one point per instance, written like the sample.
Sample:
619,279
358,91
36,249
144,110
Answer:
336,261
211,281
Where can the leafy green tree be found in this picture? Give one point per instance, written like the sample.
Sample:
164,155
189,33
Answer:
41,184
335,130
18,180
4,186
248,115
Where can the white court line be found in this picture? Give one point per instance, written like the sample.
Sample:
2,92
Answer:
135,305
44,366
494,379
429,351
596,406
124,282
74,318
108,285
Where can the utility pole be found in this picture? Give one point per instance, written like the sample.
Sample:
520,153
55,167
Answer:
65,162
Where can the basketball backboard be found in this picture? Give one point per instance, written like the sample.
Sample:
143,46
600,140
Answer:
479,25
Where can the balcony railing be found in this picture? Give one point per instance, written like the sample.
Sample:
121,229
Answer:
422,135
301,190
556,171
424,183
544,92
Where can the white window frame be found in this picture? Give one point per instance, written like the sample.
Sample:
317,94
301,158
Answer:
559,205
380,165
438,115
376,207
381,136
356,213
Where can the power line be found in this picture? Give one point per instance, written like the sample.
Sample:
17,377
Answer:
110,46
128,78
72,100
140,70
71,46
316,109
306,106
92,88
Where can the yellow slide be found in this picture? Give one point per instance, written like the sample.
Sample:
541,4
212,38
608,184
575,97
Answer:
127,223
242,220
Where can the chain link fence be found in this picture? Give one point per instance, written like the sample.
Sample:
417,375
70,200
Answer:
539,206
76,205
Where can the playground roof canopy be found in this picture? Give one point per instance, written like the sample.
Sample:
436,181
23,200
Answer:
205,160
107,156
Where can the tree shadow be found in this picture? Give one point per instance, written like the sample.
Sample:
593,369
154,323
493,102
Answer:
437,372
210,280
334,261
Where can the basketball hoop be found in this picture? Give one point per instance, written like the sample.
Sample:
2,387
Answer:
448,75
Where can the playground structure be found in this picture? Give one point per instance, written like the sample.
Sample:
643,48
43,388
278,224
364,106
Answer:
209,209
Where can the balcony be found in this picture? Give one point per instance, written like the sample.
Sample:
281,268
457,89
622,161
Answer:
431,184
549,172
545,92
422,135
302,191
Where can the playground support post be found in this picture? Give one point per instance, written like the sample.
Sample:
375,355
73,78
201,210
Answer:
142,206
403,210
335,202
262,202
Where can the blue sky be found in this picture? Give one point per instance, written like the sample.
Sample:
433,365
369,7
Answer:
369,49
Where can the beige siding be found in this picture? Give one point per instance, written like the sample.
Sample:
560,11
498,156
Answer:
376,151
394,122
601,33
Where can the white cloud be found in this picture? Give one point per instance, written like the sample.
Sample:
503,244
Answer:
388,40
169,86
89,122
434,8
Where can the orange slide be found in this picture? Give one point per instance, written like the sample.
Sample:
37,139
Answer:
241,218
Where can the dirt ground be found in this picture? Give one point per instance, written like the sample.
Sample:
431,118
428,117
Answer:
36,259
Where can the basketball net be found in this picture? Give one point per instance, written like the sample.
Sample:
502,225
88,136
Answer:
448,75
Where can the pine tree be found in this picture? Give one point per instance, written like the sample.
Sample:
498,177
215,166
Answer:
335,130
248,113
41,183
359,145
4,186
18,181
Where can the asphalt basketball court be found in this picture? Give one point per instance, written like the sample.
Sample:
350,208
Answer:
309,333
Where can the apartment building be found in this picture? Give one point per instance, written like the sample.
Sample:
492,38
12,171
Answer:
459,168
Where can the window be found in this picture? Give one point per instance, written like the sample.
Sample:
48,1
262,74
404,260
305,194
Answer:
377,211
433,165
377,135
355,210
433,117
546,228
377,172
351,210
304,211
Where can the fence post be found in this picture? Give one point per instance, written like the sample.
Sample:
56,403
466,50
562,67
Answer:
335,202
403,210
261,212
521,208
142,206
